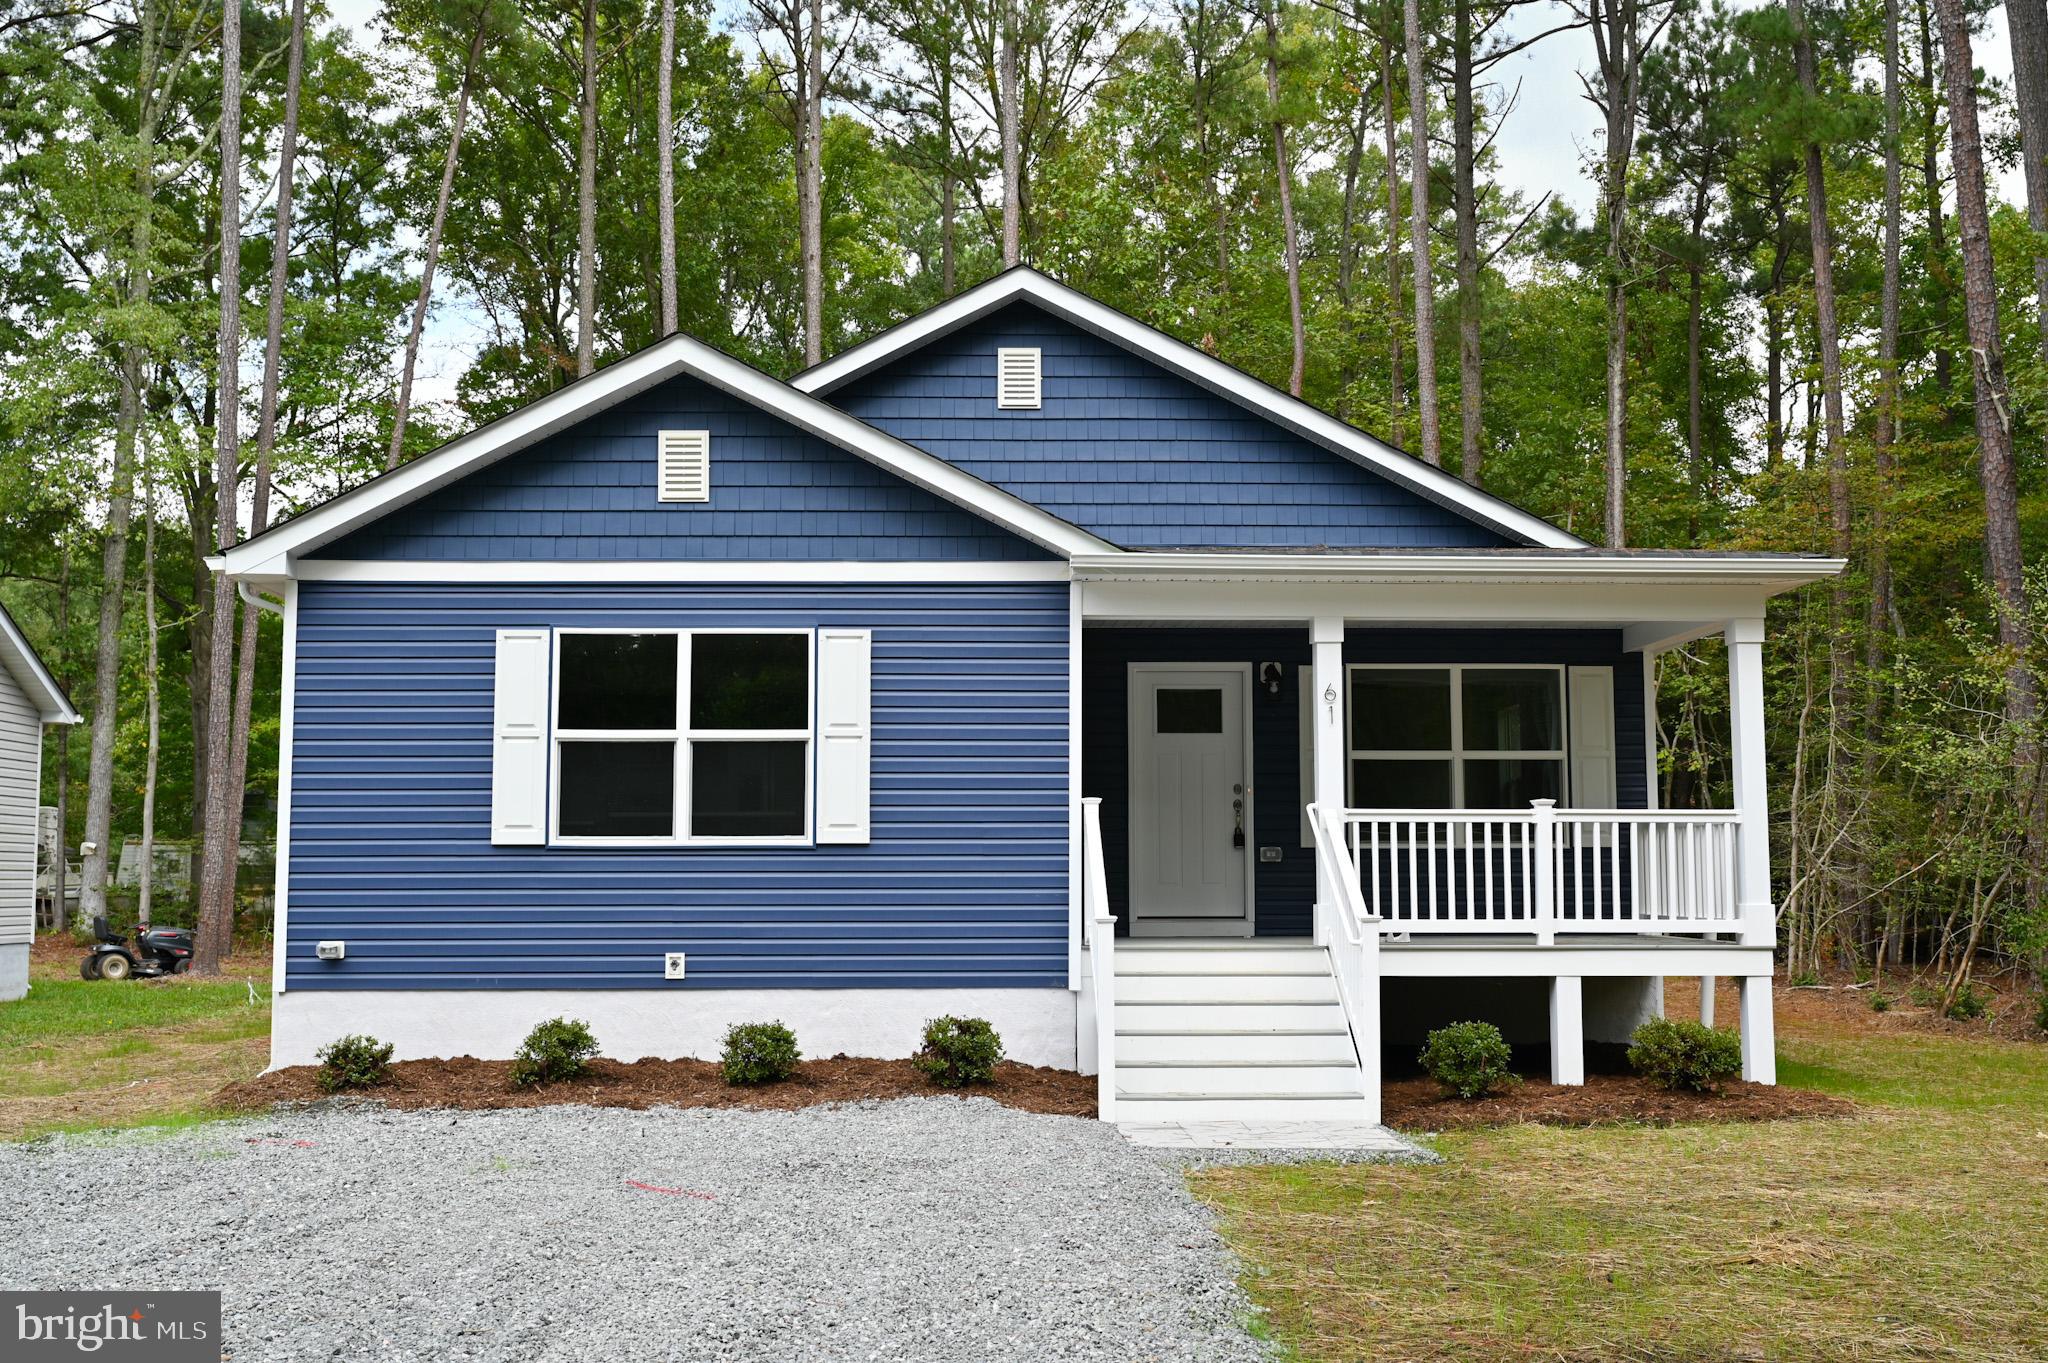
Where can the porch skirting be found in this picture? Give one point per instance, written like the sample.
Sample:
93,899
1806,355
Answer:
1037,1025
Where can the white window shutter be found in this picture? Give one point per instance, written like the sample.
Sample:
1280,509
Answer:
845,667
684,473
1592,738
1017,376
519,739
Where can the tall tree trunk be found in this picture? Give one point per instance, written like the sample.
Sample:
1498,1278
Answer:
811,202
1937,227
1397,398
1008,117
2002,554
217,875
1418,234
59,909
1617,44
1828,334
2028,20
1695,433
433,246
99,789
665,164
586,202
1284,173
237,773
949,187
1885,430
1466,203
153,700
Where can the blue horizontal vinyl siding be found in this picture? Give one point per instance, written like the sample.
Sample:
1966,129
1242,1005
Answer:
1137,455
589,493
963,884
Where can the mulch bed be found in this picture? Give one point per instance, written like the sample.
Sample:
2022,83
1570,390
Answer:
470,1083
1604,1100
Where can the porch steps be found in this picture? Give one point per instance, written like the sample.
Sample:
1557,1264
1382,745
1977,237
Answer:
1232,1031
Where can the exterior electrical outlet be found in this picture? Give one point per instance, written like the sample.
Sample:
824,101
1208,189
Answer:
672,966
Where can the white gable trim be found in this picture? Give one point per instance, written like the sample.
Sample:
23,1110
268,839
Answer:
1197,367
271,553
20,660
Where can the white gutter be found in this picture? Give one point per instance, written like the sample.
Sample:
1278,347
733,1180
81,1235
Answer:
1775,573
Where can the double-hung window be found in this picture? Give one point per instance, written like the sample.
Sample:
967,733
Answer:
1456,737
682,736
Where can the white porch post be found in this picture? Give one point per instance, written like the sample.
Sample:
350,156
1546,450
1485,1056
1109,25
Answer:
1752,801
1759,1031
1326,695
1567,1030
1707,999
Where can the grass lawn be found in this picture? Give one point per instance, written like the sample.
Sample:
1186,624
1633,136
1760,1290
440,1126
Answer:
79,1054
1911,1231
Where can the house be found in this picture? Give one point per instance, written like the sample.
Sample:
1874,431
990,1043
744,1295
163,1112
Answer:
1022,662
29,699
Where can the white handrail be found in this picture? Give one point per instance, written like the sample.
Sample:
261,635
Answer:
1101,928
1354,948
1546,870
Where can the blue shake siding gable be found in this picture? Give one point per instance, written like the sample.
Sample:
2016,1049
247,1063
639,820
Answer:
963,884
1141,457
777,493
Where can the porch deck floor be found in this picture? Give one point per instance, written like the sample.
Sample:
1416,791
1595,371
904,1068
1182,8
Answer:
1272,1135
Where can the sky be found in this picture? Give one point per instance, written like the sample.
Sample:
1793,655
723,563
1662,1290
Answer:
1542,148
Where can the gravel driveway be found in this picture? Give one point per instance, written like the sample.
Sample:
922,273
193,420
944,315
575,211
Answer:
921,1229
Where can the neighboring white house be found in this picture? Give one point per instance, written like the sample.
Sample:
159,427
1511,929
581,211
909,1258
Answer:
29,699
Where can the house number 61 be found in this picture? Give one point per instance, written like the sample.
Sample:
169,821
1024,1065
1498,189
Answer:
1330,701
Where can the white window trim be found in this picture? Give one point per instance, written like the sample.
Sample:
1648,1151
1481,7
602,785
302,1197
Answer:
1458,753
682,735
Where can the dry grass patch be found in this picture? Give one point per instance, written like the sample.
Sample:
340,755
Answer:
1911,1230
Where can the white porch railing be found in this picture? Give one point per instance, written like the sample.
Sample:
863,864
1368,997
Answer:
1100,926
1354,947
1546,870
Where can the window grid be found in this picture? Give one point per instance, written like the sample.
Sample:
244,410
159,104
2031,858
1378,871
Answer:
1457,753
682,735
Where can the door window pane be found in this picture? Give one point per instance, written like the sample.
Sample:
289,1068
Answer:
1190,711
617,681
750,681
1400,783
747,790
618,790
1400,709
1511,709
1511,782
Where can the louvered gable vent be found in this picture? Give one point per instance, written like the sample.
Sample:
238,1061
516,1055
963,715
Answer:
685,472
1017,383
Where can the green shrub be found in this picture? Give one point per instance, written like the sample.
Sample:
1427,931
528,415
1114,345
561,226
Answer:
2041,1010
759,1053
1470,1059
958,1051
1924,996
557,1049
1880,1002
353,1062
1968,1003
1684,1055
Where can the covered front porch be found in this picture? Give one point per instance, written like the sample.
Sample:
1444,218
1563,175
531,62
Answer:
1422,768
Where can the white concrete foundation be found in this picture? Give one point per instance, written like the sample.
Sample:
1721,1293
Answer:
13,971
1037,1025
1616,1007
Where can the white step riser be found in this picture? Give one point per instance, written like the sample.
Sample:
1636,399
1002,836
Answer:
1242,1110
1236,1050
1226,988
1230,1017
1260,1081
1221,961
